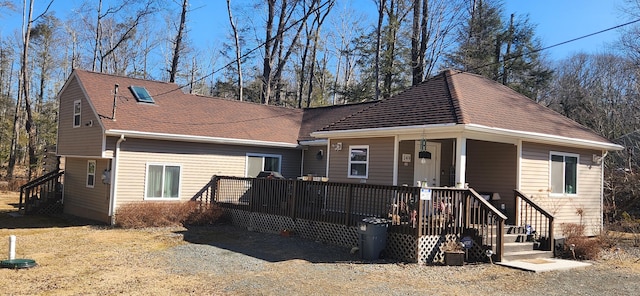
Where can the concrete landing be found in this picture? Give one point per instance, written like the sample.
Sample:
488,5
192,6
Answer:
543,264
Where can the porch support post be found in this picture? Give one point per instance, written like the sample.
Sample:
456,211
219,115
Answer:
461,160
396,149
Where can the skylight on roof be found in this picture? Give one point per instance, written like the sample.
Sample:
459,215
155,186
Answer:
141,94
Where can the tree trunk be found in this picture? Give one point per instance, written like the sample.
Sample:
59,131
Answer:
507,54
381,5
415,44
319,19
97,46
29,126
238,52
424,39
178,42
266,64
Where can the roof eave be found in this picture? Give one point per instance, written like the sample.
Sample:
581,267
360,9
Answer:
318,142
543,138
470,128
197,139
385,131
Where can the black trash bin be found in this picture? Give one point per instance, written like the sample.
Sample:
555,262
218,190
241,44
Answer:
373,237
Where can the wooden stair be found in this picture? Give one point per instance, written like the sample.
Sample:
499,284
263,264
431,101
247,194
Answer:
518,245
42,195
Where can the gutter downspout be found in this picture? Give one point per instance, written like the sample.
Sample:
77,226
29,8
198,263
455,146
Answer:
114,179
602,188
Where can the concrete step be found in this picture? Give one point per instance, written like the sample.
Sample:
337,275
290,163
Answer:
518,247
531,254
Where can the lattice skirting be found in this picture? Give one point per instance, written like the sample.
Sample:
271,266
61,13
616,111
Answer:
431,249
340,235
403,247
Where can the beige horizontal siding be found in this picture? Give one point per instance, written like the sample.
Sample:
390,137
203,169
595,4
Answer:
83,140
585,207
80,200
199,162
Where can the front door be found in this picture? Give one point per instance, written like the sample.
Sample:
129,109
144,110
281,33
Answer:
427,169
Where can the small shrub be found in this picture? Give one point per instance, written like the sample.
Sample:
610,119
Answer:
205,214
583,247
163,214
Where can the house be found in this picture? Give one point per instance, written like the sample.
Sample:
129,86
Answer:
131,140
480,134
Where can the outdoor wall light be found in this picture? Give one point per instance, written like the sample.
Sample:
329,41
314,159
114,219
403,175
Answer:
319,154
424,154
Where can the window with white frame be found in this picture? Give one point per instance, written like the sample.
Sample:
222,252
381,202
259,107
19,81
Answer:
359,161
262,162
77,108
563,176
163,181
91,173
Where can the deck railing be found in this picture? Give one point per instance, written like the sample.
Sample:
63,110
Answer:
530,214
47,188
410,210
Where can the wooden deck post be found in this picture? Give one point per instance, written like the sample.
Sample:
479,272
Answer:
349,201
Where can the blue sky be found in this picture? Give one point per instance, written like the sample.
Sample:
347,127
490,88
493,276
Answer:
557,20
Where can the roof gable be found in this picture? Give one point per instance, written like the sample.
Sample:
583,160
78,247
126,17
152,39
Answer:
465,99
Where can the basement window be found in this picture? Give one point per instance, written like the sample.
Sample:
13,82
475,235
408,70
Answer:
141,94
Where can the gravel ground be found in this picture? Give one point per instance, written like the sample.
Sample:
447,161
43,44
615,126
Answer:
237,261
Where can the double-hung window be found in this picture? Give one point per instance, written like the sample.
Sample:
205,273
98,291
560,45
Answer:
358,161
91,173
77,108
563,175
262,162
163,181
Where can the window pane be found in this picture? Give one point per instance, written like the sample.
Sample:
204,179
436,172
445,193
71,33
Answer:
272,164
92,167
358,169
570,174
171,181
359,154
557,174
154,181
254,166
91,180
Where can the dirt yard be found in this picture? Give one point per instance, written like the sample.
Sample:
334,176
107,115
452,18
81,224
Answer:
76,258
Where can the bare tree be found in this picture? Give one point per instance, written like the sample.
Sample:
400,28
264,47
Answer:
380,6
277,52
238,50
319,18
178,42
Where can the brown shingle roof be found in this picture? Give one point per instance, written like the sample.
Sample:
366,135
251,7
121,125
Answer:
177,113
464,98
315,119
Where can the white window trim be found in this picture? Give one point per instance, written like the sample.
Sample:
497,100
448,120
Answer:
79,114
89,162
563,194
146,179
263,155
366,163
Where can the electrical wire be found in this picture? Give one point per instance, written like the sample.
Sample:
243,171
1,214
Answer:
246,54
555,45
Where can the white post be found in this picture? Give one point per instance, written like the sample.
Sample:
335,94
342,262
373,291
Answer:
12,247
461,161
